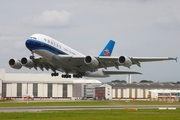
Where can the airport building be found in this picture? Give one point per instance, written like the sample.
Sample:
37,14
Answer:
138,91
17,85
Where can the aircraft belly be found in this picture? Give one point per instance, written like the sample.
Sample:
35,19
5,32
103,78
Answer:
44,54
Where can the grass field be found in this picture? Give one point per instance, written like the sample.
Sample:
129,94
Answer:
110,114
82,103
141,114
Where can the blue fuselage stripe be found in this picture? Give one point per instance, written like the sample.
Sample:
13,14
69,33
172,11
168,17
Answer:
32,44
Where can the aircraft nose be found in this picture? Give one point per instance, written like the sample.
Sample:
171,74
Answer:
29,44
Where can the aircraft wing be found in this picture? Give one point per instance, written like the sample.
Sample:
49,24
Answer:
128,61
137,60
40,62
91,62
82,65
74,64
151,59
43,63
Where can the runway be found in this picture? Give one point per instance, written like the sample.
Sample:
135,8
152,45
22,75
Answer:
45,108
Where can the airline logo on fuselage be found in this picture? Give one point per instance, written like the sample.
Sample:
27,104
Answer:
106,52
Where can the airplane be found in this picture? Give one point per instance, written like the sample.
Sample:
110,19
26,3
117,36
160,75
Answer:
59,57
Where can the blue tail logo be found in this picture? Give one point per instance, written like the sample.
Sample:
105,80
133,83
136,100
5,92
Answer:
108,49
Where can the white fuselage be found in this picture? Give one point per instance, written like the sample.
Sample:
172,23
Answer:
46,47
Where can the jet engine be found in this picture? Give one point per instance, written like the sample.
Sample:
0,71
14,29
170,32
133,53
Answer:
15,64
92,61
125,61
27,62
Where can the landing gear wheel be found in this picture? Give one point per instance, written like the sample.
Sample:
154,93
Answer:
78,75
66,76
32,57
55,74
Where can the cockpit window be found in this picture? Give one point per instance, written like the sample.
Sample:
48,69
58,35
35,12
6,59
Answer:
34,38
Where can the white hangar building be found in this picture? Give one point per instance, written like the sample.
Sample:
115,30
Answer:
137,91
16,85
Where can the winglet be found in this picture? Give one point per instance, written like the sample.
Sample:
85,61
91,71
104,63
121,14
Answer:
176,59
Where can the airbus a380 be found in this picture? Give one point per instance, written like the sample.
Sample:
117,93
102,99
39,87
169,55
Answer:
59,57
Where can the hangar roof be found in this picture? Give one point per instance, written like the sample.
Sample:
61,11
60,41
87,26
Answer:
86,81
33,78
40,78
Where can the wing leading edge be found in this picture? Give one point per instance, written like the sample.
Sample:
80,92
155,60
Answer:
151,59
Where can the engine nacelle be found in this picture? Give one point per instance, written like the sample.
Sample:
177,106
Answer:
15,64
92,61
125,61
27,62
98,73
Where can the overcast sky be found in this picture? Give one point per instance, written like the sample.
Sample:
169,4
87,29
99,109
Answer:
141,28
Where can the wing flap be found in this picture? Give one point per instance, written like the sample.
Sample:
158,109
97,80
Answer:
108,61
43,63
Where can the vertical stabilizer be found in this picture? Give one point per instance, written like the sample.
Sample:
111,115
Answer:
108,49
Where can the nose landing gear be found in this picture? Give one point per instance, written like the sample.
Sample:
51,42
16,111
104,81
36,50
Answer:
32,56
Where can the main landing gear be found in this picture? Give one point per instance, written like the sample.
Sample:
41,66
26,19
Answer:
78,75
54,74
66,76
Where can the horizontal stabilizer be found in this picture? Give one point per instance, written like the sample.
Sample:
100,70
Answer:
120,72
176,59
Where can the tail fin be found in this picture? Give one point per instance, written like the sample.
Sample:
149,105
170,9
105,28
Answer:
108,49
